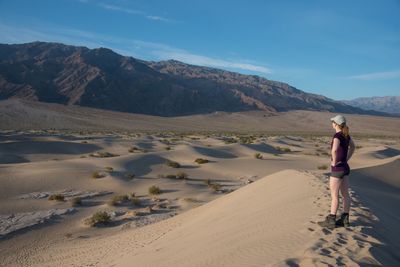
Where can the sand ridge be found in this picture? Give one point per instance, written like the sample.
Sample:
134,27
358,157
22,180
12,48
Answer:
269,222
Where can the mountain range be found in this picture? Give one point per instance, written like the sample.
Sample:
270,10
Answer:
388,104
101,78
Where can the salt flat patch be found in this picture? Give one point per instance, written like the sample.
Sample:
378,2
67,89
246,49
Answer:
67,193
13,222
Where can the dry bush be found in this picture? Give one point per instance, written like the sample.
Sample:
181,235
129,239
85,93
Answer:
173,164
258,156
201,161
118,200
323,167
99,218
76,201
104,154
108,169
154,190
182,175
96,175
57,197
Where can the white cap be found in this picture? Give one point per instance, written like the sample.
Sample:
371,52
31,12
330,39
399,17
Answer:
339,119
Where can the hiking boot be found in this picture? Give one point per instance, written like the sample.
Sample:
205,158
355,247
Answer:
329,222
343,220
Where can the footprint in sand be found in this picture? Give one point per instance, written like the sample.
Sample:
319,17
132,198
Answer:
292,262
337,244
325,251
326,231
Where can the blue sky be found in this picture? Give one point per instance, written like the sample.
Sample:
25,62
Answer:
340,49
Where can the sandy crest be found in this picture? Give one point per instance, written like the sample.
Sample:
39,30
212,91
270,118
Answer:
249,227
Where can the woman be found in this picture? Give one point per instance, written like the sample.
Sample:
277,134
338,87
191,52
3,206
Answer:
342,148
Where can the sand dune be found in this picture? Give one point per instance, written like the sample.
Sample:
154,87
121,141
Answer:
269,222
245,228
379,189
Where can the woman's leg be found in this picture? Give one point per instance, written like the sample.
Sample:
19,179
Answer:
344,190
334,184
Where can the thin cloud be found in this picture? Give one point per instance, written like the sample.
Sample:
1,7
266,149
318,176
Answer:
165,52
194,59
121,9
377,76
134,12
158,18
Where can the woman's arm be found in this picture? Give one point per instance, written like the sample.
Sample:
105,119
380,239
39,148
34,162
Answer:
335,146
352,147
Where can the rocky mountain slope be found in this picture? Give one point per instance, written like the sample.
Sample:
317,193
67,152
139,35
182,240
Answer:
101,78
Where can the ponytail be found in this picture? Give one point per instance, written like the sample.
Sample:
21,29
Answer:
345,130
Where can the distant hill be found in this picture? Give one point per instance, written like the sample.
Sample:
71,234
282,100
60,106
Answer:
101,78
388,104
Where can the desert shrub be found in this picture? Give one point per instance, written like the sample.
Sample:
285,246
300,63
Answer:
57,197
258,156
118,200
129,175
96,175
136,201
76,201
103,155
170,176
133,149
168,148
323,167
99,218
215,186
154,190
283,149
230,141
173,164
181,175
247,139
109,169
201,161
68,235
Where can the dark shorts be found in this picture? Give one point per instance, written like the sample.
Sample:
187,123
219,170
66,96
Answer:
340,174
340,170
